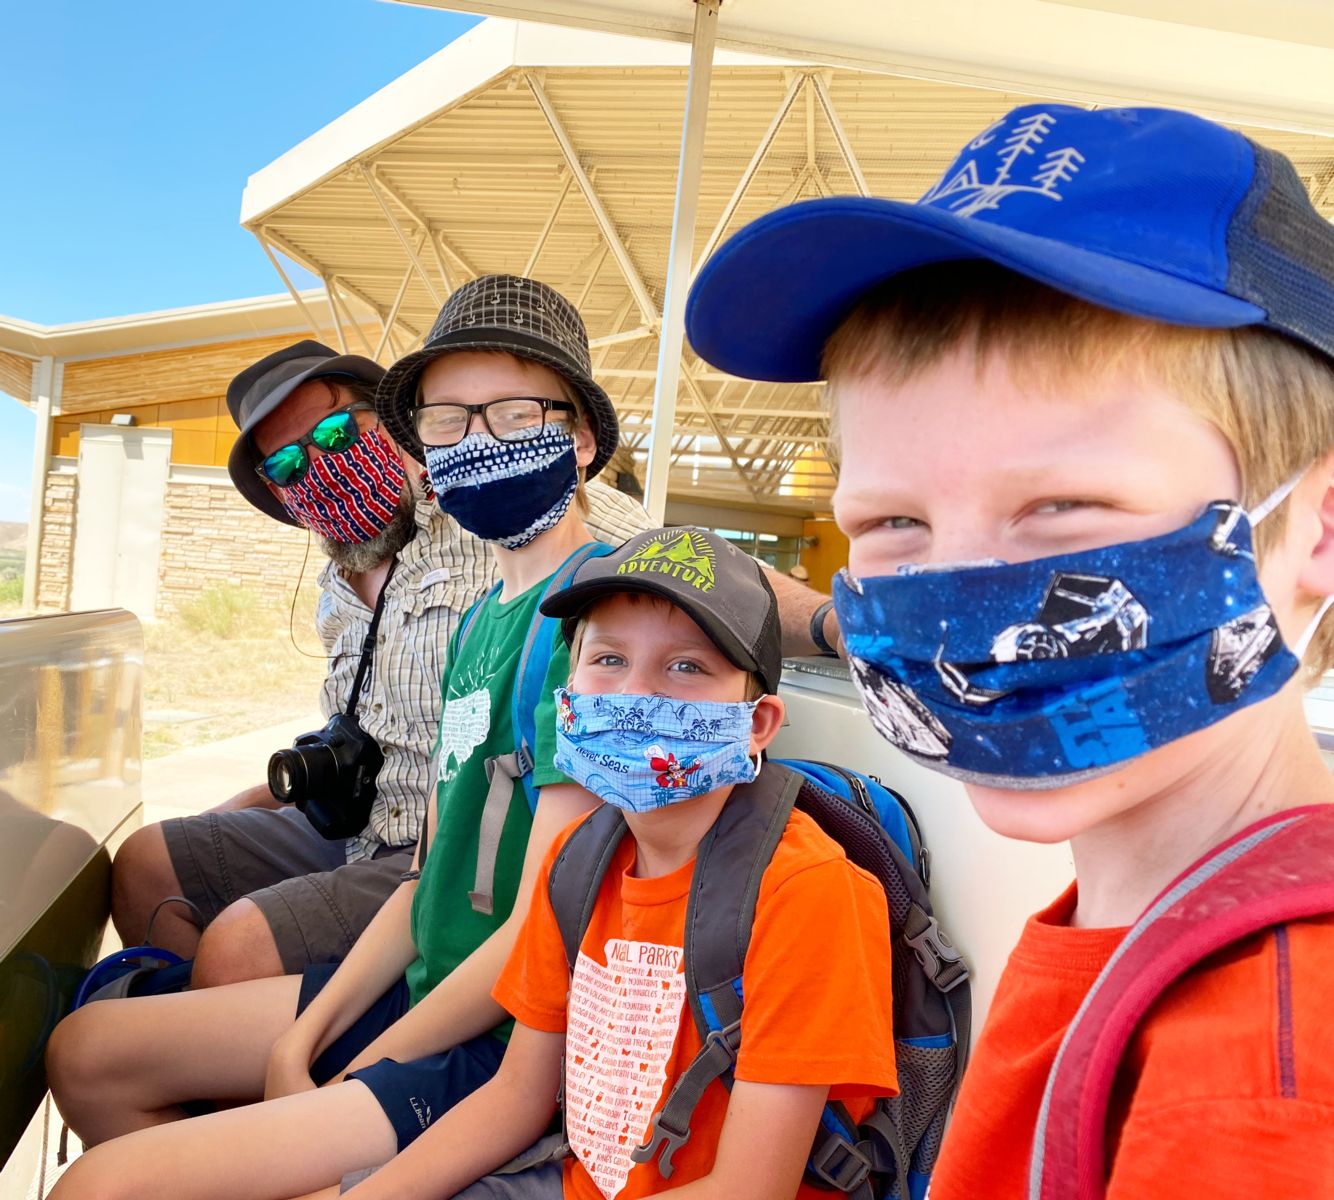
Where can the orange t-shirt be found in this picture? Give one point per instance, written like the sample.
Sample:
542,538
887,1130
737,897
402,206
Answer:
817,987
1227,1089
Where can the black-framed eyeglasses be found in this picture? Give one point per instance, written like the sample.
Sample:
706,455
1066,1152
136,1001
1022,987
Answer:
510,419
288,464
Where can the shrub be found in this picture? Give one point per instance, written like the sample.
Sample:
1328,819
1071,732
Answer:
223,610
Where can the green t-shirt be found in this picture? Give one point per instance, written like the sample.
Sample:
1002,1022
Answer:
475,724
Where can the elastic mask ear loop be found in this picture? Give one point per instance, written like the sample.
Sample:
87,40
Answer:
1258,514
1274,499
1299,650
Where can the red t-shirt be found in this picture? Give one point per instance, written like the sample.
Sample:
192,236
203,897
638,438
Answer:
817,987
1227,1089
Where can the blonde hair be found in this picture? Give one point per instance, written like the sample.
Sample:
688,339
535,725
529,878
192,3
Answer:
754,685
1270,397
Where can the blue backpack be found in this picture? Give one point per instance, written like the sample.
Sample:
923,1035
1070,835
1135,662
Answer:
891,1152
502,770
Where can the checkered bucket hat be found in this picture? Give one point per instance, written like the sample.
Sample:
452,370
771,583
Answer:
519,316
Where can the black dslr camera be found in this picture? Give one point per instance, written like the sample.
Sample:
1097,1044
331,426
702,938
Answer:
330,776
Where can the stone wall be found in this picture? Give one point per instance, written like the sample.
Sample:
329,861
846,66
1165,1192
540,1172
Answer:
210,535
55,560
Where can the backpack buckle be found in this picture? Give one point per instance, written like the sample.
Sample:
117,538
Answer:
723,1042
839,1163
661,1137
940,959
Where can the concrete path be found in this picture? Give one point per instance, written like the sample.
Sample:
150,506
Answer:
198,777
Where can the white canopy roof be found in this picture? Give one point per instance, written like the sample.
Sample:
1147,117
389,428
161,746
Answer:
555,151
1256,62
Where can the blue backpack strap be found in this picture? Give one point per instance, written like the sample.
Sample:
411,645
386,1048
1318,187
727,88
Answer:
534,660
502,770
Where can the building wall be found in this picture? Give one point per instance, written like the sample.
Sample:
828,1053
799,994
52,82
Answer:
55,560
183,390
210,535
829,554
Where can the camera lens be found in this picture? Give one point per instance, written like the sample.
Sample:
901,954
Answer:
287,776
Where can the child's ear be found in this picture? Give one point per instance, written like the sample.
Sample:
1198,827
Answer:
585,442
767,721
1315,574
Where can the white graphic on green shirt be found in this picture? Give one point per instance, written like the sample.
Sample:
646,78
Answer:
620,1030
463,727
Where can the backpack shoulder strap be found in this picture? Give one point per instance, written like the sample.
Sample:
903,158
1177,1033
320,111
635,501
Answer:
578,871
534,660
720,911
503,769
1279,870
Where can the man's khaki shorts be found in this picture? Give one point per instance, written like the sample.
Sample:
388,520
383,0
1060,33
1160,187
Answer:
315,902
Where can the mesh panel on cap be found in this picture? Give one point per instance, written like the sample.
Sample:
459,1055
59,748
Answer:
1281,253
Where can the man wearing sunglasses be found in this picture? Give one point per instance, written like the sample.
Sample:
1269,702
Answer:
278,896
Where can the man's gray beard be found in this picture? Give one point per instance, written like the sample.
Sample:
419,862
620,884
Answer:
356,557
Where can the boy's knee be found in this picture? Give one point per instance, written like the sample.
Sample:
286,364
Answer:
238,945
141,875
99,1173
78,1056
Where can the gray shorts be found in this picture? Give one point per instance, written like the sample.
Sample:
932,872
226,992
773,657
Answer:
315,902
516,1180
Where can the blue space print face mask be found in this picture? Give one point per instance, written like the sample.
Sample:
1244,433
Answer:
640,753
1041,674
506,492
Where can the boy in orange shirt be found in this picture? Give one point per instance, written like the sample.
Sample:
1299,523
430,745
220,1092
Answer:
1066,386
675,645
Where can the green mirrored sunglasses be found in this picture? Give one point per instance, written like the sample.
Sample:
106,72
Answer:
288,464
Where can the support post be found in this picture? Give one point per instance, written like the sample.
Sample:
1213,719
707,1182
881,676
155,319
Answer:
841,137
600,215
546,229
393,311
340,303
277,266
413,257
679,261
333,312
749,173
43,395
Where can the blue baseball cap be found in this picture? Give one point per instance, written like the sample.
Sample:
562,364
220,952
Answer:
1147,211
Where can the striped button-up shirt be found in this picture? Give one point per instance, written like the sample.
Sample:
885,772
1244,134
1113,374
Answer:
439,574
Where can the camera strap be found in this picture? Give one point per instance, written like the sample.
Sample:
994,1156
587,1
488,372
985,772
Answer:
368,643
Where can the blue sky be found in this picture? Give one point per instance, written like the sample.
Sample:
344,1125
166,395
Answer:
128,132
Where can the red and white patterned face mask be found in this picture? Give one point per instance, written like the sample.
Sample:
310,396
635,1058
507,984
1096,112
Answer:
350,496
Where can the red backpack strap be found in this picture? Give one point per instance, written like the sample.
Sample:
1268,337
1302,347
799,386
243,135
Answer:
1279,870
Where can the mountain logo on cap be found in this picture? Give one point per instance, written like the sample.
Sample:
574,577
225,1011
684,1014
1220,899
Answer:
964,193
682,554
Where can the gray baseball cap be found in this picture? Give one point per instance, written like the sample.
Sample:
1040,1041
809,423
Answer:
264,385
520,316
722,589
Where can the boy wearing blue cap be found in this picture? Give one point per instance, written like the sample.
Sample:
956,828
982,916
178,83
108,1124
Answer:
1068,384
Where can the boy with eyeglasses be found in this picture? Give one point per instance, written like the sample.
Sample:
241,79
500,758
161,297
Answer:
276,896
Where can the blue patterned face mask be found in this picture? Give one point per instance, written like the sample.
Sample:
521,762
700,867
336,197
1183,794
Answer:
645,752
1041,674
506,492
